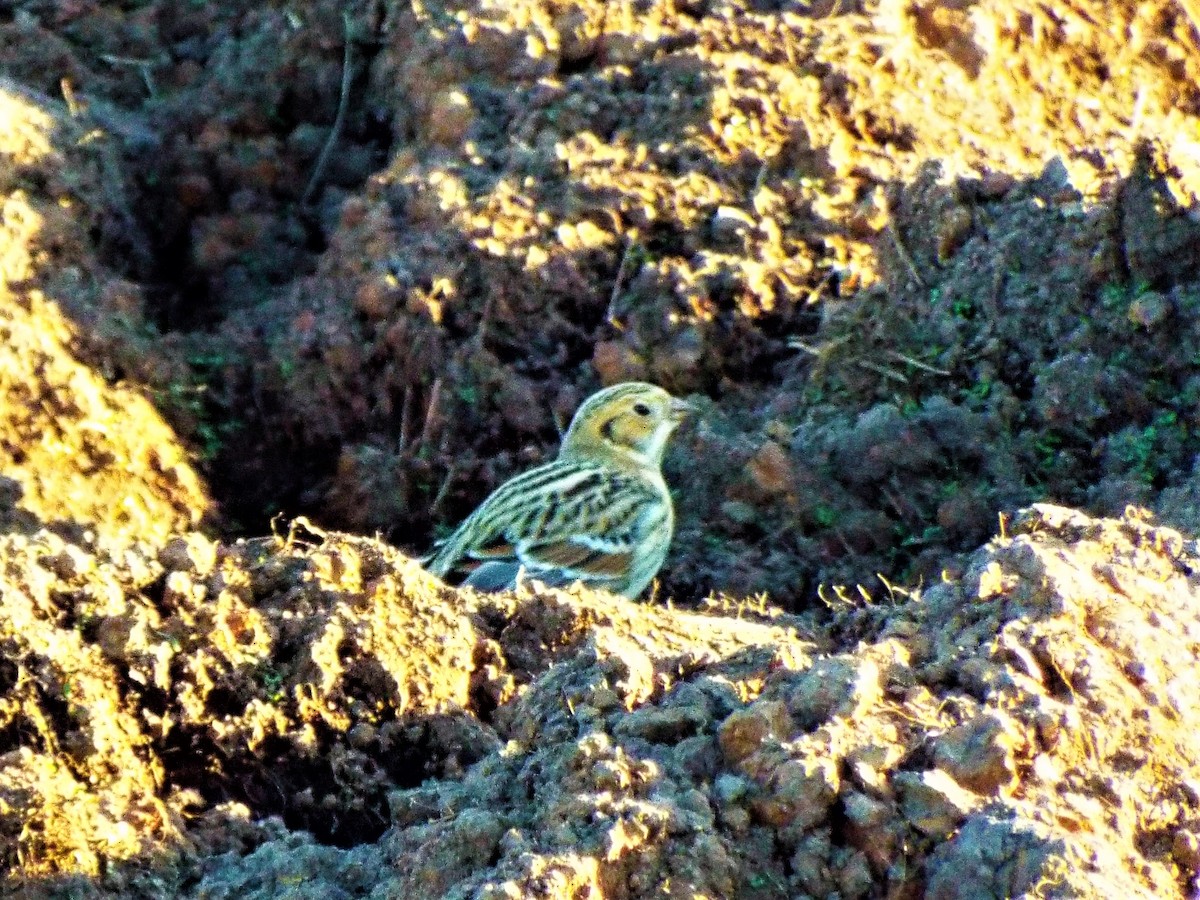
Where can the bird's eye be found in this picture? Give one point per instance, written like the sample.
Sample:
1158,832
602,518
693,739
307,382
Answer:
641,409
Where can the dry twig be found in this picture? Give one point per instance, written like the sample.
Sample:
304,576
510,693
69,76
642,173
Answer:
915,363
610,314
338,120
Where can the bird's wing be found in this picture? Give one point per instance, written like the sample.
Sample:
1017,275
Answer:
580,557
559,563
562,523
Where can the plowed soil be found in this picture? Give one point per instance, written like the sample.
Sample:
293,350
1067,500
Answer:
920,264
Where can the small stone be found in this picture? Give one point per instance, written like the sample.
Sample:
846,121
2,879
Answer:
873,826
801,793
615,362
979,754
933,802
871,764
838,686
605,698
677,361
667,725
736,819
854,876
113,635
189,553
738,511
952,231
362,735
451,115
68,563
698,756
994,185
810,864
1185,850
375,300
770,469
746,730
1150,309
730,789
864,811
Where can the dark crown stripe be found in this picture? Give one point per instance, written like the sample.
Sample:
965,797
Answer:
609,394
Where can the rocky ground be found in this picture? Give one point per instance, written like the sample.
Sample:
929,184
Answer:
920,264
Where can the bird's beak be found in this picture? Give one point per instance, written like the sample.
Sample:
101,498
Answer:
680,409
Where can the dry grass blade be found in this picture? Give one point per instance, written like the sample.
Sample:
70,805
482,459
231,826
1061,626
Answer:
339,119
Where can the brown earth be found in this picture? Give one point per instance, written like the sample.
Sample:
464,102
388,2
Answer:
920,264
80,448
924,262
314,716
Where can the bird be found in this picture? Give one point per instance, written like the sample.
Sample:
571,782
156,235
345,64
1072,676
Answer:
599,513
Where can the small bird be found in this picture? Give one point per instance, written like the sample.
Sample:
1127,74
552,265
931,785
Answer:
600,513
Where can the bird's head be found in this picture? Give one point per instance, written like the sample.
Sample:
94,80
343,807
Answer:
626,423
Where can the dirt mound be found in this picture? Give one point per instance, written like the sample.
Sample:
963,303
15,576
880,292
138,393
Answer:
927,261
80,449
173,721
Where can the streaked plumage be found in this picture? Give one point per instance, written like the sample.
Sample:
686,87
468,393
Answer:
600,513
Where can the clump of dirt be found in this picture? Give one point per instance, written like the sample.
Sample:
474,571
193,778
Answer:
1043,359
221,720
1005,725
157,696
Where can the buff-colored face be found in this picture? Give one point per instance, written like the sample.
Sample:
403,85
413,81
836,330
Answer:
631,420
